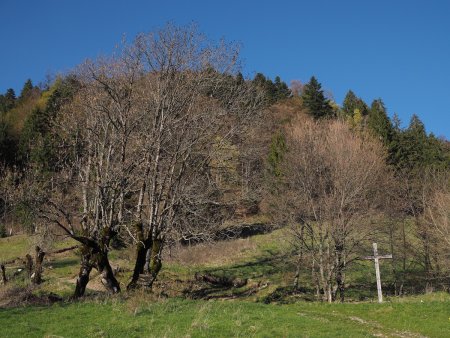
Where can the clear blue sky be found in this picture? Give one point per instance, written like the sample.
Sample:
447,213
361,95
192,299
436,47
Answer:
398,50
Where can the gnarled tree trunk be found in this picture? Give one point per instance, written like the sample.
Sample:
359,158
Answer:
83,275
3,274
108,279
142,247
36,278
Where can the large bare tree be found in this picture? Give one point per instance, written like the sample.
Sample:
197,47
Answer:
138,140
194,107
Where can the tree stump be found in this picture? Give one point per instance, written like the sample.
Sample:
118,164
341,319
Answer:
36,277
29,265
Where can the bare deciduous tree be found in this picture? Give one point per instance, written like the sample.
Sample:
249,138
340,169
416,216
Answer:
194,107
138,138
334,179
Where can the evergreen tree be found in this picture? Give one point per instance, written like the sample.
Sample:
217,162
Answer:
414,150
281,89
275,91
260,80
10,99
8,145
314,100
378,122
26,90
276,154
352,102
2,103
349,104
37,143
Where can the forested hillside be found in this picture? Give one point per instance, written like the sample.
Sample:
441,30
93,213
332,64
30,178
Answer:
165,146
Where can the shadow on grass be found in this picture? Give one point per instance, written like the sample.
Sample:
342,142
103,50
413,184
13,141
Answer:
64,263
271,266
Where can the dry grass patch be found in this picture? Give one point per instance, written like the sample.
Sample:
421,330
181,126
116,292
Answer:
212,254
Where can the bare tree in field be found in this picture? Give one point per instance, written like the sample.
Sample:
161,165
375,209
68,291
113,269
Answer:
193,108
98,131
138,139
334,183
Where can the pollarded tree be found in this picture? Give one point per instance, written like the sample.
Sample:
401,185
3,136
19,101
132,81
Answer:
314,100
192,108
101,132
138,139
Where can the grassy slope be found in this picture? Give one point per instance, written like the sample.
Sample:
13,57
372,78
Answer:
261,258
12,247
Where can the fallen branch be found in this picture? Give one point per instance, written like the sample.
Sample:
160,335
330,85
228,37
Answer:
11,261
63,250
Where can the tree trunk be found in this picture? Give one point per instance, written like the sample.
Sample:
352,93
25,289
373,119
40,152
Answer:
108,279
141,253
155,259
299,260
83,275
142,247
340,267
297,274
3,274
323,284
36,278
340,285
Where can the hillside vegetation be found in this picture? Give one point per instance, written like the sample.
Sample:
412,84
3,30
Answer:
159,192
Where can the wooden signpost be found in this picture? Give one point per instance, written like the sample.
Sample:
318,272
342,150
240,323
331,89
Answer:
376,258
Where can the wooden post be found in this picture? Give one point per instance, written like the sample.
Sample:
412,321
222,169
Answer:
377,272
376,258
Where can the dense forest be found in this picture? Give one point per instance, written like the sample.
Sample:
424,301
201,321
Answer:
166,144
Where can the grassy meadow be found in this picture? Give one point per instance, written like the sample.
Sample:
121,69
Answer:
179,307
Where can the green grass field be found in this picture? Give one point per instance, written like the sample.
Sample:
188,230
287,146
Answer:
415,317
264,259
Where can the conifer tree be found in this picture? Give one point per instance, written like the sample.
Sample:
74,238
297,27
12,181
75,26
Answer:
314,100
282,91
10,99
276,154
352,102
26,90
414,150
379,123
